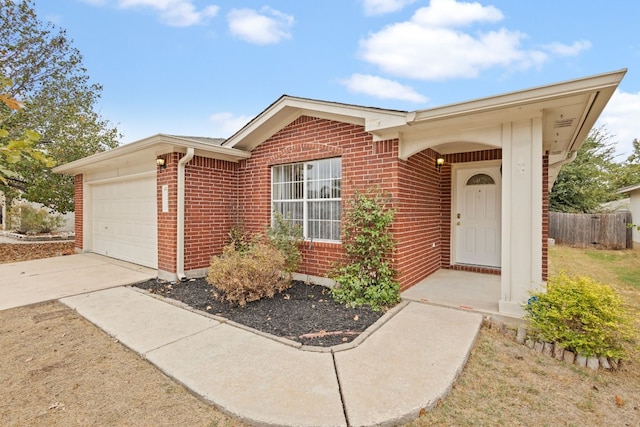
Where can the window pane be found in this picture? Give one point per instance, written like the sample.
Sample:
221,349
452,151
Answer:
480,179
320,193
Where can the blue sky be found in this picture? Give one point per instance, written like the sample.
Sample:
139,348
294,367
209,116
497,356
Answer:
206,67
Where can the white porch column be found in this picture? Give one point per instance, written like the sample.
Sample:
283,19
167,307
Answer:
521,213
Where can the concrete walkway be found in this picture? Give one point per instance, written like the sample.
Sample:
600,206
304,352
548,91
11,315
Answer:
30,282
409,362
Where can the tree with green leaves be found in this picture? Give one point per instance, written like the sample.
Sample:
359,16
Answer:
628,172
14,150
45,71
587,182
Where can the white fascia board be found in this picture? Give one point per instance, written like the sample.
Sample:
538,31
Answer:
287,108
159,143
524,97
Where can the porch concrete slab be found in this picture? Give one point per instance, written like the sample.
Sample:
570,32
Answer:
408,364
459,289
29,282
140,322
255,378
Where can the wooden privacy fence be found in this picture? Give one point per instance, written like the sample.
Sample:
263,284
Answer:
601,231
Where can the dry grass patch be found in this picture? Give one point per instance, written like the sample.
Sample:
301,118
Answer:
508,384
505,383
57,369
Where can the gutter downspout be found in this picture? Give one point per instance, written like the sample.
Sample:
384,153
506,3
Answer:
180,220
561,163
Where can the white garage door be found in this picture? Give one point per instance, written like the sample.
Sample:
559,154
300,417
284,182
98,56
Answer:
125,220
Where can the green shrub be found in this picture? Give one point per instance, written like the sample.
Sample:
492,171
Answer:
244,277
286,236
583,316
366,276
26,219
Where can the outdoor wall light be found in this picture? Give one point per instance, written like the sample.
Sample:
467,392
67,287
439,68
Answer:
439,163
161,162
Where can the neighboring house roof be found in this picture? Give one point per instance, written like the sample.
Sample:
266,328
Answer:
629,189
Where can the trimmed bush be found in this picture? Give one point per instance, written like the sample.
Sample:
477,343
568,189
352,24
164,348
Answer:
366,276
582,316
243,277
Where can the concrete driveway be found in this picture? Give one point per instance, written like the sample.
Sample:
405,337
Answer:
29,282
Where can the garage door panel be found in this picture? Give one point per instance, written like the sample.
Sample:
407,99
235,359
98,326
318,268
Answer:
125,220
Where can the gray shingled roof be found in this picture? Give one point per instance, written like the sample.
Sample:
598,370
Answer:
204,139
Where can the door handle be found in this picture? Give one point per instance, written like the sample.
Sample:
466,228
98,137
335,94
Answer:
458,223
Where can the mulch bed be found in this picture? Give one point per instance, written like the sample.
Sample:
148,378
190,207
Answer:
304,313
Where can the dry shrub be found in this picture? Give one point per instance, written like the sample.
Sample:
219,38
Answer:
247,276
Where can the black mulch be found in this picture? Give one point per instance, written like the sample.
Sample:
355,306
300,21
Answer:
303,313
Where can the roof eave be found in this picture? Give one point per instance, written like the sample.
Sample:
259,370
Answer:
288,108
158,144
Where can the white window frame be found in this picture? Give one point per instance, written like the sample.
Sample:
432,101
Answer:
305,200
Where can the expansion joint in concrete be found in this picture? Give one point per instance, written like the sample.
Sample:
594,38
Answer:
344,408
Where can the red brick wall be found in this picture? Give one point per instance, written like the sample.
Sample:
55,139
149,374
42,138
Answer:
78,197
364,163
167,221
418,218
210,198
221,194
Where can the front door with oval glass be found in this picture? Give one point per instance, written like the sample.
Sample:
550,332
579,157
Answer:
477,213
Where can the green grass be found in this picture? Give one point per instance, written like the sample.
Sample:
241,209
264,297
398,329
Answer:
624,264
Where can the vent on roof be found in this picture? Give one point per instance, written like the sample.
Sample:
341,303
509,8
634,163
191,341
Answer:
563,123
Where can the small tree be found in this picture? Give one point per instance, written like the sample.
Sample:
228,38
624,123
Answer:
286,236
367,277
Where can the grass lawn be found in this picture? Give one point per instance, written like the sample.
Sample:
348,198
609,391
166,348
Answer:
508,384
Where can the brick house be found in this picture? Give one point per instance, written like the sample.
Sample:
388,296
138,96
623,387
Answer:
470,183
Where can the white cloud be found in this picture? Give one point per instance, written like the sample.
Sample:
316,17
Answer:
574,49
380,7
432,45
176,13
265,27
620,117
382,88
450,13
228,124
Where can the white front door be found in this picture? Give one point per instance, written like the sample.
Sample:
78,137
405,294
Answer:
476,219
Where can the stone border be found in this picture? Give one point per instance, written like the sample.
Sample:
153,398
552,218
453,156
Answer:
520,335
40,237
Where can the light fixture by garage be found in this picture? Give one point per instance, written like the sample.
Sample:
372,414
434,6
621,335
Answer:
439,163
161,162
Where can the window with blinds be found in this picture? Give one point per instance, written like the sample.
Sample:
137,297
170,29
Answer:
309,194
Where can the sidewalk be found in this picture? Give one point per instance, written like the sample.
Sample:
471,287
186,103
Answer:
408,363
